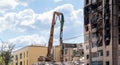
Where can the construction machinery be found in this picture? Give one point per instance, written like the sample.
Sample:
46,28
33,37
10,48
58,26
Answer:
50,43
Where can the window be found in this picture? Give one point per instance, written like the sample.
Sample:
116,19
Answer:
66,59
93,44
107,1
27,54
16,63
16,57
118,1
100,53
94,26
20,62
87,1
20,55
87,64
107,32
107,63
86,28
100,44
24,62
118,8
107,53
87,56
87,38
87,47
100,3
94,54
97,63
27,62
107,39
119,39
24,54
118,52
119,30
107,42
119,20
86,22
66,50
94,35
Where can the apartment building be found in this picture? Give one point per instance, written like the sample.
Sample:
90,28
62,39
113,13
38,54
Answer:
29,55
78,52
72,52
68,54
68,51
102,32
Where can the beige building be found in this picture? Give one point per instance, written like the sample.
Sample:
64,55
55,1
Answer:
102,32
29,55
56,53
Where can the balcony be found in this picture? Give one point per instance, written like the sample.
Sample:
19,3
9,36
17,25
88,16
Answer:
99,58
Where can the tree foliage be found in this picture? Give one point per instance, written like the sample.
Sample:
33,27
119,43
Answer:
1,61
6,52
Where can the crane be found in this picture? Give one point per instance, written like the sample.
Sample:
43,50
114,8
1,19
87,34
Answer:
50,43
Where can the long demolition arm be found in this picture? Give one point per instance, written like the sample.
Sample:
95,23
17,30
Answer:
50,43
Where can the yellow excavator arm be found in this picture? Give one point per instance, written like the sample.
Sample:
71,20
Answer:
50,43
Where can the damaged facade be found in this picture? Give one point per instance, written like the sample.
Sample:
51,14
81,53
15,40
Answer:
72,52
102,32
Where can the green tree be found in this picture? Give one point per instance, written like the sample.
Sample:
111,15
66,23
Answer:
1,61
6,52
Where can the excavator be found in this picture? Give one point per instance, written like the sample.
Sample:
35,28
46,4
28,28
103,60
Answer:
49,57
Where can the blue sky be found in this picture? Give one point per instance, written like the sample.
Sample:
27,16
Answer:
26,22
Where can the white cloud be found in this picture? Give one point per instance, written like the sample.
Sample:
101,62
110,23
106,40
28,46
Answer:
57,0
45,17
7,22
28,40
28,21
24,2
26,17
69,12
6,5
16,21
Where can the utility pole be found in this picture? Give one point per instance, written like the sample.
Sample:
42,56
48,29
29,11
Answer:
90,38
90,54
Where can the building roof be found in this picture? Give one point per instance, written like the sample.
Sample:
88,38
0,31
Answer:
29,46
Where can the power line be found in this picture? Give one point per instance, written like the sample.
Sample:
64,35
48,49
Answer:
73,37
